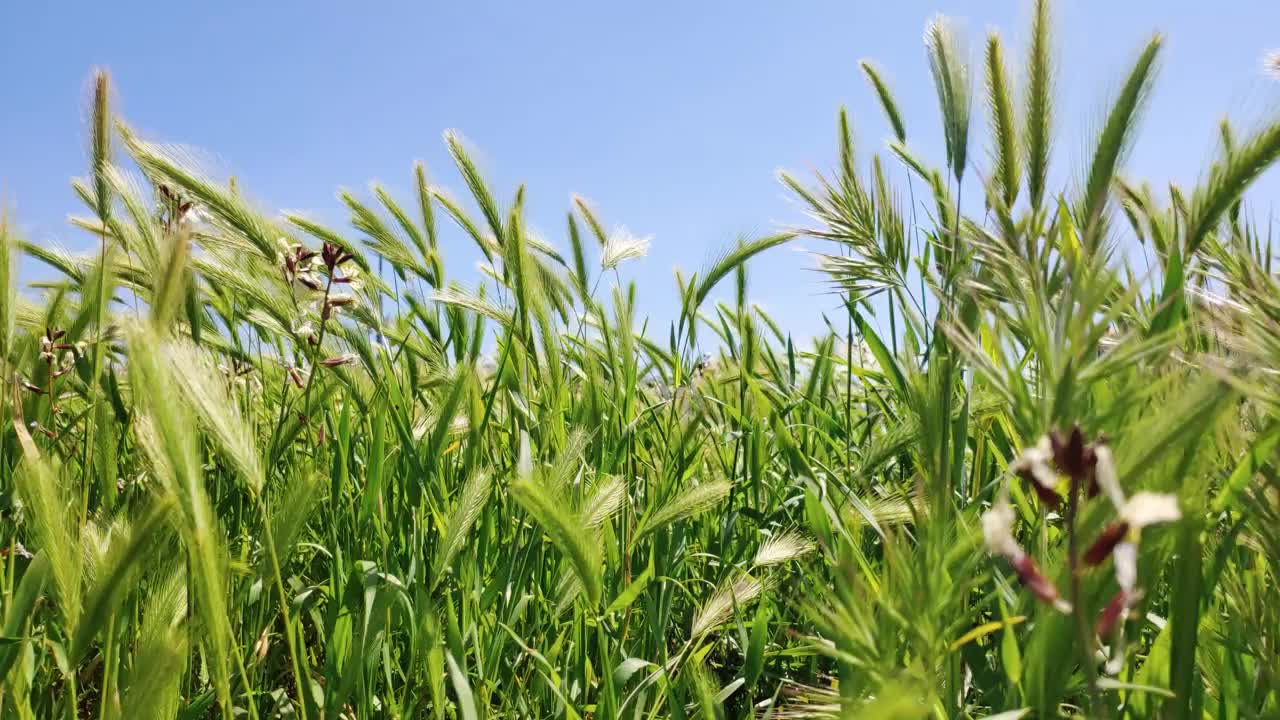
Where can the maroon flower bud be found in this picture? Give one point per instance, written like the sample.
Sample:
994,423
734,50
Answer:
1101,548
1092,489
1048,496
1115,613
1037,583
32,388
338,360
332,255
1073,458
296,377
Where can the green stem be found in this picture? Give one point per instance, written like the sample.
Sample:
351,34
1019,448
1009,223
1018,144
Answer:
284,610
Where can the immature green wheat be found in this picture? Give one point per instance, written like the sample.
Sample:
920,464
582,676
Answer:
254,466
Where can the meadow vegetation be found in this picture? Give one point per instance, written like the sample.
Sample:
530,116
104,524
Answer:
253,466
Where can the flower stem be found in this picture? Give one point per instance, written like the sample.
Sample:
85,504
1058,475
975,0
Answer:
1084,635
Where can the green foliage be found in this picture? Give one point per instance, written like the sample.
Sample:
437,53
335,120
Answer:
248,473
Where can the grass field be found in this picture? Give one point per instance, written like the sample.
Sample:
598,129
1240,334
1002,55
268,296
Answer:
256,467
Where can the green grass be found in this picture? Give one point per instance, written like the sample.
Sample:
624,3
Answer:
253,466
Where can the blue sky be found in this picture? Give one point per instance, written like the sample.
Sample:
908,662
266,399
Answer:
671,117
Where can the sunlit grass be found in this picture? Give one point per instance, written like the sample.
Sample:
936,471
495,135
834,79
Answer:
255,466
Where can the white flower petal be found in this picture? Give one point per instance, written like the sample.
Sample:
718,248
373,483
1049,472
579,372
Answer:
1038,461
997,530
1125,557
1105,473
1148,508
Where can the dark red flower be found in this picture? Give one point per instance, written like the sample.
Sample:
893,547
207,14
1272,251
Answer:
1101,548
1037,583
1111,614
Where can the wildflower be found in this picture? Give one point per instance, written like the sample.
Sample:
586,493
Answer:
304,284
345,359
263,644
1148,508
1033,465
1136,513
1116,610
67,365
304,330
330,305
997,532
190,213
1073,457
703,365
297,265
17,549
334,255
237,374
1119,541
43,430
49,345
1105,475
351,278
285,250
1105,543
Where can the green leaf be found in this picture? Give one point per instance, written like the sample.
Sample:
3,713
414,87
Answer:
632,591
19,609
1184,617
1255,459
1172,296
753,662
461,689
884,358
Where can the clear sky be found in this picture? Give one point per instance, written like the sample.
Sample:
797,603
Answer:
671,117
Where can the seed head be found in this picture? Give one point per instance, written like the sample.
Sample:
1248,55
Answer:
1271,64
